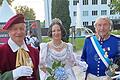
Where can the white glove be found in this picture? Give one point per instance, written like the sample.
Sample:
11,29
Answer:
22,71
83,65
117,76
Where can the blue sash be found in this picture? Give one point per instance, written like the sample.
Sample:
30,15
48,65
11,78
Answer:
100,51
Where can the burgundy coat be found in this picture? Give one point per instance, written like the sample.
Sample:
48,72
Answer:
8,60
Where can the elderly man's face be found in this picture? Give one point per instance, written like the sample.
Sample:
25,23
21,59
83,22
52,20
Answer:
17,32
102,27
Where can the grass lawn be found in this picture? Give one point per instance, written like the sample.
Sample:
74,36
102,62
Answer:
78,44
117,32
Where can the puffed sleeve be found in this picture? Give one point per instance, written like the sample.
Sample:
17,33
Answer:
43,54
71,54
76,59
42,60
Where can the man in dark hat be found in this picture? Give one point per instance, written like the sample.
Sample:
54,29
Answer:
18,61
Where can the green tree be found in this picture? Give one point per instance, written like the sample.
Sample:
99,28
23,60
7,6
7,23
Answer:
60,9
42,24
28,12
115,5
9,1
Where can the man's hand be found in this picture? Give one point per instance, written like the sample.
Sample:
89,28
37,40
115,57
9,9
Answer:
22,71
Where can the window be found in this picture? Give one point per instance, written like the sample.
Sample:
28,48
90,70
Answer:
115,22
85,13
112,12
103,12
94,2
94,13
75,13
93,23
85,23
103,1
85,2
75,2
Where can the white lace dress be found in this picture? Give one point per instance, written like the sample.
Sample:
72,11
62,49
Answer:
66,56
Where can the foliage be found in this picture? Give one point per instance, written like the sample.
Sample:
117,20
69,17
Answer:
42,24
116,32
46,39
115,5
57,71
9,1
60,9
28,12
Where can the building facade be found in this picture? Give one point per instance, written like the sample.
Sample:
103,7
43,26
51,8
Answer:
89,10
85,12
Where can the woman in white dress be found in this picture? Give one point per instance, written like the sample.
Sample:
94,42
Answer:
58,50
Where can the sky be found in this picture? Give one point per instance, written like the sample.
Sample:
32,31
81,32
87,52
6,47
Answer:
36,5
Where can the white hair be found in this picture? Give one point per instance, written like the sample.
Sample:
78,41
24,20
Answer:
104,18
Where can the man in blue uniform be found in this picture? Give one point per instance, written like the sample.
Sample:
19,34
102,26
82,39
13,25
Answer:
100,49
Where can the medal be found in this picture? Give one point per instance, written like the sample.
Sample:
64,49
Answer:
106,55
106,51
96,57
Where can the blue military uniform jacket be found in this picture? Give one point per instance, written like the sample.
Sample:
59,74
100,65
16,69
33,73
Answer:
95,64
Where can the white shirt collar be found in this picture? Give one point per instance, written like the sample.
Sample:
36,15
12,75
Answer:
15,47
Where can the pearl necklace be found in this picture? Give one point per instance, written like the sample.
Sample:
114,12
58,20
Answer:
60,46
